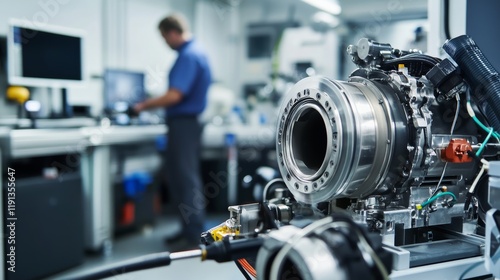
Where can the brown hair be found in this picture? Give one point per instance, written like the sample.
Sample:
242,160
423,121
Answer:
173,22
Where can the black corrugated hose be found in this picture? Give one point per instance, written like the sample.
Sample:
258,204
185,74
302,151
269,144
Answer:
479,74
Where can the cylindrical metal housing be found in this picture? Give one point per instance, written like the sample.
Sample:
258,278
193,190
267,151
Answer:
334,138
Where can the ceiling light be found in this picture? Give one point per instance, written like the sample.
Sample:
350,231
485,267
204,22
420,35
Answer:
329,6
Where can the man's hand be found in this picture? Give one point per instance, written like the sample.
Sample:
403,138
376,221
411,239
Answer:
139,107
170,98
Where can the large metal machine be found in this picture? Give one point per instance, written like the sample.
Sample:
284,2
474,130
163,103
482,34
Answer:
400,148
379,173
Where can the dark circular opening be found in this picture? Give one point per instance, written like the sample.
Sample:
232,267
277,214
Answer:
309,141
288,269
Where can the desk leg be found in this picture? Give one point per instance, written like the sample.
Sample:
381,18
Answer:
232,175
98,198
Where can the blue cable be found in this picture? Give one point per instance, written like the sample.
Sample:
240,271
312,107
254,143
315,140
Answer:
481,148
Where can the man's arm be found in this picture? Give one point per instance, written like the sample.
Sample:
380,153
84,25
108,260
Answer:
171,97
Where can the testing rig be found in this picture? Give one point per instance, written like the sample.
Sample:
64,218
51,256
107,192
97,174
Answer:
379,173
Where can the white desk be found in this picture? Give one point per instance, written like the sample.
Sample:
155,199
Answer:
93,145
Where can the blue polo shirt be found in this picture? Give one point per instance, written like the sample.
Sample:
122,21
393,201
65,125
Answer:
191,76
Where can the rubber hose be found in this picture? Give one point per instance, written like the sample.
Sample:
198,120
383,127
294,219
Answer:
479,74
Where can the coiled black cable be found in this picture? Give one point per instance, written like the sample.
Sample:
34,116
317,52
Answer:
417,64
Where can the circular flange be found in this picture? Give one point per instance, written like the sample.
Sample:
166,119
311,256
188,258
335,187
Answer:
333,139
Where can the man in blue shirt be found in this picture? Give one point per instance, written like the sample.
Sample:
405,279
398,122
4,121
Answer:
184,101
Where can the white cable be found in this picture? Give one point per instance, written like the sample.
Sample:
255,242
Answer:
473,186
485,167
280,257
268,185
470,110
457,111
442,176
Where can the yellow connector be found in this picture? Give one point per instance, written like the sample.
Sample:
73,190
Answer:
218,233
418,206
402,69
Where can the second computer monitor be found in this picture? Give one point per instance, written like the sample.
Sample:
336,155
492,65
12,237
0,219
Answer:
123,89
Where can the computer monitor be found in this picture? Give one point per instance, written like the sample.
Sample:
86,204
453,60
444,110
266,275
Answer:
122,90
44,56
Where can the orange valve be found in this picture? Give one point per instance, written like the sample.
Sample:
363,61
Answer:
456,151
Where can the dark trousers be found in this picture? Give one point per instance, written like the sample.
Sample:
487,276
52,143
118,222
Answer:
183,173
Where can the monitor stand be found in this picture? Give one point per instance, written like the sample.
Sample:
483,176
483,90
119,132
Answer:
65,105
60,108
66,112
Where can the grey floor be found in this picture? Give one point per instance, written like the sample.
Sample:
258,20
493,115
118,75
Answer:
150,240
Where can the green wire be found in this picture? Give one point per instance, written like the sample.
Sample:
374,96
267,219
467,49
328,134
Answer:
490,131
432,199
480,124
481,148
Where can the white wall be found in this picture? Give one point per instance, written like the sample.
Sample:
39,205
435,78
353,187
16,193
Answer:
222,28
400,34
458,15
145,49
217,29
